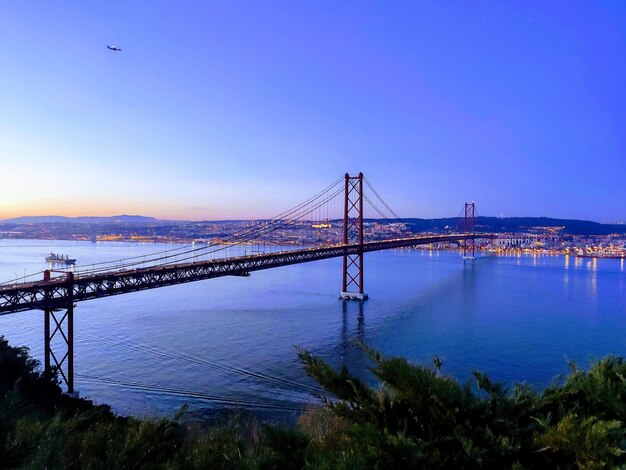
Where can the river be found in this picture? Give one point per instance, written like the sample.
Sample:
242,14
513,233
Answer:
231,342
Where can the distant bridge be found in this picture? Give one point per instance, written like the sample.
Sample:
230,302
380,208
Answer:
57,296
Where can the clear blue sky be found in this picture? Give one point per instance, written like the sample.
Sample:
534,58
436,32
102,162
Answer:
242,109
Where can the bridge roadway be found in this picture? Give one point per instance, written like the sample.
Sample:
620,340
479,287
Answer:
58,292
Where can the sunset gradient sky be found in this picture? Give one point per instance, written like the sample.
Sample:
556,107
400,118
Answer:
229,109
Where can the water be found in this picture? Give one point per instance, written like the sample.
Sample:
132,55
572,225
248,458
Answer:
229,342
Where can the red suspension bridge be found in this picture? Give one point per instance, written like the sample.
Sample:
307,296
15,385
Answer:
57,292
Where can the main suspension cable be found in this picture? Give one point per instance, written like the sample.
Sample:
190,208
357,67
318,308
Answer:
149,258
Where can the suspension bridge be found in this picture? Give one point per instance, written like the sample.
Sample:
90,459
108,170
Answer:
56,292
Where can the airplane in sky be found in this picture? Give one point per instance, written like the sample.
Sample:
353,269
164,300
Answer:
113,48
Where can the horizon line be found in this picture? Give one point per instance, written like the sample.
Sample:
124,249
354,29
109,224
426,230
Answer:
4,220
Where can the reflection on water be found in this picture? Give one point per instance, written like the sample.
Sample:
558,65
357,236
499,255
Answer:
468,285
351,340
594,276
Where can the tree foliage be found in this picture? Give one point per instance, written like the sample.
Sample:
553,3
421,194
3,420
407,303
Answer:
416,417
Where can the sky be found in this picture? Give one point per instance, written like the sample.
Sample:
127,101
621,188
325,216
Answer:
229,109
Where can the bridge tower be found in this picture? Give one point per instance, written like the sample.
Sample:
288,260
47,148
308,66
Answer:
59,340
352,285
469,221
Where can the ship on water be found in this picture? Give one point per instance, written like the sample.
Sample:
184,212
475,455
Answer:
60,259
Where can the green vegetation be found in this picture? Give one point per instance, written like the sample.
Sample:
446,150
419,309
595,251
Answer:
416,418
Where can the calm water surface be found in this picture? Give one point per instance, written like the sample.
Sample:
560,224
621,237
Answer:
230,342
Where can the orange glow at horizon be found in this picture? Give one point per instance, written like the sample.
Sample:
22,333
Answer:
95,209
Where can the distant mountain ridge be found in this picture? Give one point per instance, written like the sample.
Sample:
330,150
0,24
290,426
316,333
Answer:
58,219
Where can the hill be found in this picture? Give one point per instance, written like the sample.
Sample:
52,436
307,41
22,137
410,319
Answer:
517,224
57,219
483,223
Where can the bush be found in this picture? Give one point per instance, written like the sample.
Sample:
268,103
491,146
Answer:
419,418
415,418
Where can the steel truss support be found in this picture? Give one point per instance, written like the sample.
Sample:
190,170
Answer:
352,285
59,337
469,220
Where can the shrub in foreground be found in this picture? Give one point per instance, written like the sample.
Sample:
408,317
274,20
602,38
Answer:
415,418
418,418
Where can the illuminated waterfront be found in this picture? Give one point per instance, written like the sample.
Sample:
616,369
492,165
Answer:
517,317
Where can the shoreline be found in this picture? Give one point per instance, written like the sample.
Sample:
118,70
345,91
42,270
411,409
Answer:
218,242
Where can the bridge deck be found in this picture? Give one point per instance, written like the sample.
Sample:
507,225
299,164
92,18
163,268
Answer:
58,292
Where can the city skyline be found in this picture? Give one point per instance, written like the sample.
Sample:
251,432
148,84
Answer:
240,110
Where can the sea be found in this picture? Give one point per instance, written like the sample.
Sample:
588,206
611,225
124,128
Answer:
231,344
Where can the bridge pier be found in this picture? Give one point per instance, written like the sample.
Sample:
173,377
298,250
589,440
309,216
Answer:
352,296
